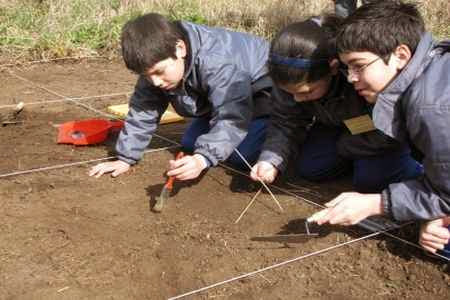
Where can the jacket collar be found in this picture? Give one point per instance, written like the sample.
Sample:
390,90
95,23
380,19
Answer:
387,110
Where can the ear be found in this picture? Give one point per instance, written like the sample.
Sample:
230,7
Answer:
402,54
334,66
180,50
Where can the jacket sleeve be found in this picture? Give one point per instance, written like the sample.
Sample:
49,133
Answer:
146,107
287,130
429,196
230,93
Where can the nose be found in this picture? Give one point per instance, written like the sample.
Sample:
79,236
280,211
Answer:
156,80
300,97
352,77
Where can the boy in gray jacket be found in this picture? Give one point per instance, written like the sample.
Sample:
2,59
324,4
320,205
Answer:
395,64
215,76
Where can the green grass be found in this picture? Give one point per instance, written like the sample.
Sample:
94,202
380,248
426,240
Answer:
47,29
34,29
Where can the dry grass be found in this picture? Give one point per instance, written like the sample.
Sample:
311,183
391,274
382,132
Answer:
32,29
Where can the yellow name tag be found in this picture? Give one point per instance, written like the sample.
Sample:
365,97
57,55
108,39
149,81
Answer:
359,124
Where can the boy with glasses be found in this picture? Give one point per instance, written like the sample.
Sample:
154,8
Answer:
395,64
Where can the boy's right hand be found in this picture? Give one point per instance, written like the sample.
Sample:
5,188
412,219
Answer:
117,167
264,171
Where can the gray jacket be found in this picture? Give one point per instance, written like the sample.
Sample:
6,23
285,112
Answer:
224,69
416,107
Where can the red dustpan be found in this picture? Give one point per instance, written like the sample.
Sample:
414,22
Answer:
86,132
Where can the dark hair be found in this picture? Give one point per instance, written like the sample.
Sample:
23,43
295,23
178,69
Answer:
380,26
149,39
311,41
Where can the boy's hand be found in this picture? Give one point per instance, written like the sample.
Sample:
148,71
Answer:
264,171
188,167
434,235
349,209
117,167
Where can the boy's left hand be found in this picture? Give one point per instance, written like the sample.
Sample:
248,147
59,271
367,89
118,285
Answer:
349,209
188,167
434,235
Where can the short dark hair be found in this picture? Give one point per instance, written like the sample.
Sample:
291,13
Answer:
380,26
312,40
149,39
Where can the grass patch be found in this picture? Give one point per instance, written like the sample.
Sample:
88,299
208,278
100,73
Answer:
36,29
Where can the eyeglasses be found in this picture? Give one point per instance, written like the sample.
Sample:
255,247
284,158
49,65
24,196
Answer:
349,71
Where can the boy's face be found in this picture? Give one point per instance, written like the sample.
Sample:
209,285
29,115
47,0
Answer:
368,72
167,74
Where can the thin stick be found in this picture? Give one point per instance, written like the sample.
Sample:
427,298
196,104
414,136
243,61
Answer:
262,182
248,205
275,266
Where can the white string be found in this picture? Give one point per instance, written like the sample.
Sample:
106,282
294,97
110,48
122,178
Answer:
322,206
88,107
72,100
76,163
236,171
64,99
274,266
52,59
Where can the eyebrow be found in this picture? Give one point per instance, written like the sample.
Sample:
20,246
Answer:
354,60
155,70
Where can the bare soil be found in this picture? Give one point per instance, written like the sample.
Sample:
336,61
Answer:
64,235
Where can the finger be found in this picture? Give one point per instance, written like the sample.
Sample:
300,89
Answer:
336,200
269,179
179,162
318,215
254,172
186,176
101,172
440,232
177,172
429,249
190,174
94,170
427,237
342,219
117,172
335,215
433,245
254,177
187,171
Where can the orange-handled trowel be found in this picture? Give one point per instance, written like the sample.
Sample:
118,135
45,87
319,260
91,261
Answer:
166,190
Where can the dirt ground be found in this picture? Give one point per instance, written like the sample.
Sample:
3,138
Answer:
64,235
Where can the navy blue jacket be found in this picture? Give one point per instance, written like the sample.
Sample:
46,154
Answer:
290,120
